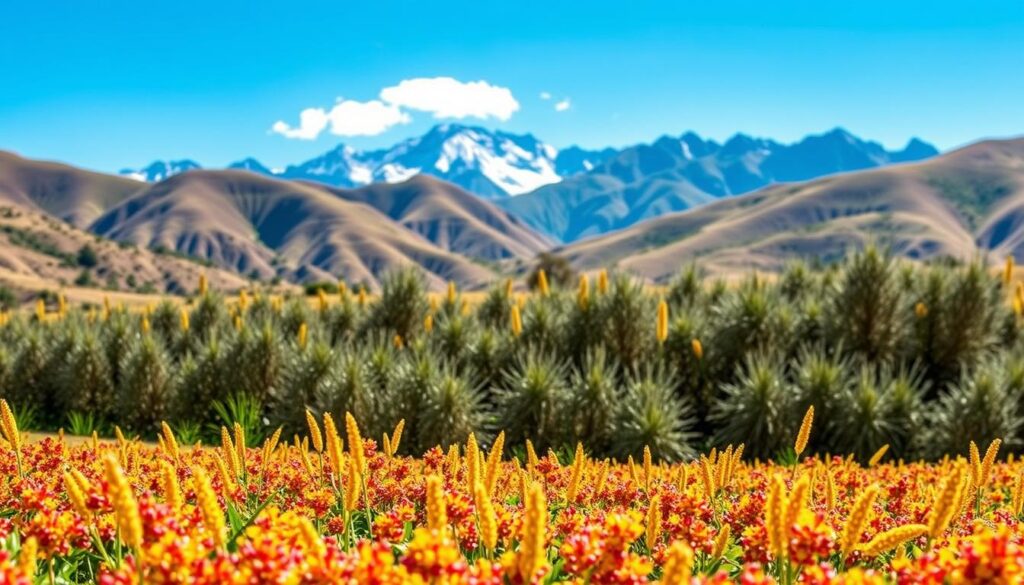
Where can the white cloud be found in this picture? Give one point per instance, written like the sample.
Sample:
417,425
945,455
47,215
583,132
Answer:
346,118
545,95
446,97
312,122
563,105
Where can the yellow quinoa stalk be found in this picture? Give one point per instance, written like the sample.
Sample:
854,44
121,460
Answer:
708,477
169,481
126,508
311,540
661,332
682,479
890,539
472,463
28,556
602,478
647,468
437,508
722,467
531,557
531,456
1018,495
335,447
170,442
721,541
583,294
486,518
542,283
805,431
353,486
453,459
321,300
9,426
302,335
206,501
775,518
493,467
797,499
183,320
945,504
975,464
77,497
355,442
576,474
860,514
224,470
653,523
230,453
396,437
878,455
988,461
516,320
678,568
314,432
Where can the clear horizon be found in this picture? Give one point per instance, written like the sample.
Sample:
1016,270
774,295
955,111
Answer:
120,85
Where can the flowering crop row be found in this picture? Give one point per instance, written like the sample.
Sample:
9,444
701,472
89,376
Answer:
335,507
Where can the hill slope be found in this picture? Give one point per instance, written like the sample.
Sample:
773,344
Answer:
268,227
69,193
674,174
960,204
452,218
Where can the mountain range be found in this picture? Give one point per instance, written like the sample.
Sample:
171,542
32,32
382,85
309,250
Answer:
247,223
574,193
962,204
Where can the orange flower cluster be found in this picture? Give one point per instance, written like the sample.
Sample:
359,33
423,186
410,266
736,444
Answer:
337,509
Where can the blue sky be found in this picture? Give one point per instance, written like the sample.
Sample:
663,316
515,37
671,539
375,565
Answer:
111,84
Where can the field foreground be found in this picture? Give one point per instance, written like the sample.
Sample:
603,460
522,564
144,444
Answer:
313,511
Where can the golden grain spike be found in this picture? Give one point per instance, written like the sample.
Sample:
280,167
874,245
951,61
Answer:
805,431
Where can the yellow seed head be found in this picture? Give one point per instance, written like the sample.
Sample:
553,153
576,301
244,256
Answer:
169,479
775,518
602,281
653,523
486,517
206,501
437,508
183,320
805,431
722,541
203,284
531,557
494,463
428,323
122,499
662,327
28,556
583,294
698,349
921,310
678,567
860,514
355,442
945,506
891,538
302,335
1008,271
9,425
878,455
314,432
517,321
542,283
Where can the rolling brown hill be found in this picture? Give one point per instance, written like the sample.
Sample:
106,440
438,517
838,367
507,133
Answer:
452,218
38,252
268,227
71,194
961,204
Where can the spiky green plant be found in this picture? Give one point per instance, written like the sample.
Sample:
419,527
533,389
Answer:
594,401
306,375
687,288
819,376
532,399
880,407
652,415
452,409
402,304
209,314
145,393
756,408
748,319
86,381
629,318
494,310
867,312
980,407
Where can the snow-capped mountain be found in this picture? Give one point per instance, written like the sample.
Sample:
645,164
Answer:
160,170
490,164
